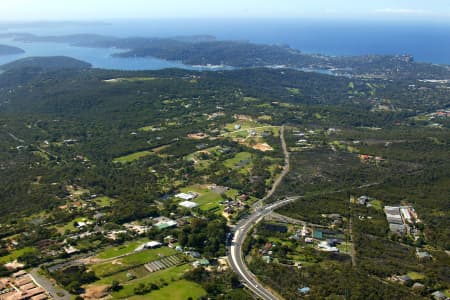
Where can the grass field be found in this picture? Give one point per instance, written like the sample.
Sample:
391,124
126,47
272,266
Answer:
131,79
132,157
143,276
294,91
178,290
122,277
207,199
168,275
130,261
345,247
416,276
15,254
151,128
241,157
344,147
377,204
104,201
205,163
85,244
146,128
70,225
239,134
265,118
244,124
120,250
274,129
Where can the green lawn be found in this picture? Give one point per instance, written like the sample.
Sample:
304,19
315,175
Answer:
207,199
84,244
168,275
345,247
143,276
151,128
232,193
132,157
145,256
15,254
133,79
377,204
132,260
240,134
279,241
104,201
244,125
274,129
250,99
122,277
238,158
416,276
294,91
203,164
70,225
120,250
178,290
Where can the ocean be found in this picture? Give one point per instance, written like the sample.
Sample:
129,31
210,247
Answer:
426,41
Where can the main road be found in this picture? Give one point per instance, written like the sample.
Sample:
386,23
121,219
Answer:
235,255
240,231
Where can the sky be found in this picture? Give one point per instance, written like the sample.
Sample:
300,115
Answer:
62,10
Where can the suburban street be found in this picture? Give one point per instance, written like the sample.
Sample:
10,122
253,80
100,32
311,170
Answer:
240,231
55,291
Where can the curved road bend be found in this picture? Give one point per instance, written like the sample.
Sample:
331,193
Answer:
54,290
235,256
241,230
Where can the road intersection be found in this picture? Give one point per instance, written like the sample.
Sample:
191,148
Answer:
235,256
244,226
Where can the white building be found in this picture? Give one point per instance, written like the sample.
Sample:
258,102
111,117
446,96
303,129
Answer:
186,196
188,204
324,246
148,245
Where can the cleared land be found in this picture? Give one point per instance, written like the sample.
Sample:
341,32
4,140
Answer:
178,290
208,199
120,250
239,160
130,79
130,261
132,157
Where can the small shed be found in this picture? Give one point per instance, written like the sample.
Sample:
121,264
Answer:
304,290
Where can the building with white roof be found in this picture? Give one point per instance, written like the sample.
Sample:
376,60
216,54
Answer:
188,204
186,196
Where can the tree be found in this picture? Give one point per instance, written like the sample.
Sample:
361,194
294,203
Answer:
115,286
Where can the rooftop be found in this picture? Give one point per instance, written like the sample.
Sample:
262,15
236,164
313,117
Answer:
188,204
186,196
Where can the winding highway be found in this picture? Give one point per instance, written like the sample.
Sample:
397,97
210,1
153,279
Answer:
235,256
240,231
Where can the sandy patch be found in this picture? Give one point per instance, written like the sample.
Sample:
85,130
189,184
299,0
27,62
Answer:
96,292
197,136
263,147
243,117
14,265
